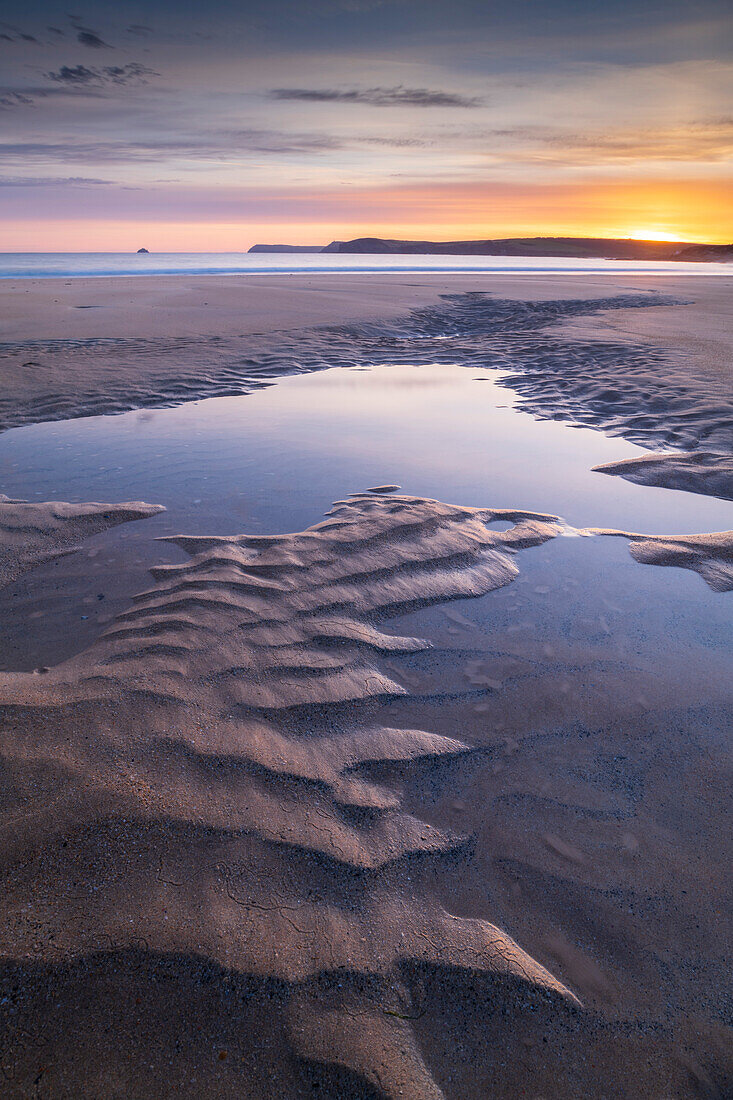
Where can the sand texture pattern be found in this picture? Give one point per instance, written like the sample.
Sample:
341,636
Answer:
199,781
564,358
625,387
59,379
281,828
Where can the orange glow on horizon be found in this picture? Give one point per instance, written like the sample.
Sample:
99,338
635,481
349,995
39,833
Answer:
689,211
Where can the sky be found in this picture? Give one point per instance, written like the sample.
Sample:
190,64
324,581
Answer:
214,126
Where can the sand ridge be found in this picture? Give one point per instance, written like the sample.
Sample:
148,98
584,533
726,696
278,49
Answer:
700,472
710,555
218,785
235,812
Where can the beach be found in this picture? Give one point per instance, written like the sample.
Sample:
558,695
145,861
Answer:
355,744
76,347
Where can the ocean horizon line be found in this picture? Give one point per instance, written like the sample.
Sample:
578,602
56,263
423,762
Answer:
41,265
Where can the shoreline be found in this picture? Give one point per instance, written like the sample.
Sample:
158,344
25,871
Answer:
23,268
523,272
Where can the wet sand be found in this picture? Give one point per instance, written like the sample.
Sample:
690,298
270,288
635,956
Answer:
269,818
276,832
32,534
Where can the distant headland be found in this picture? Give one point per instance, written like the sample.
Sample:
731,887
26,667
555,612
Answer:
290,248
608,248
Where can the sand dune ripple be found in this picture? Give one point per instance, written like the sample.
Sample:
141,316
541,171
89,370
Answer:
205,781
626,387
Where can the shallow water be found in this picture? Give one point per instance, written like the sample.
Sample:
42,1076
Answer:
274,460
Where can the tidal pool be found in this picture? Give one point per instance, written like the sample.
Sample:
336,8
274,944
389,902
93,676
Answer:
272,461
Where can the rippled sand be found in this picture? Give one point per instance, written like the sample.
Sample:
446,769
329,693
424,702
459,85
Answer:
260,800
700,472
150,342
209,786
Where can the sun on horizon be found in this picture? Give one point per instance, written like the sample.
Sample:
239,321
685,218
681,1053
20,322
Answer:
661,235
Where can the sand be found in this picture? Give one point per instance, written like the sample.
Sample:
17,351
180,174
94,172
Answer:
205,802
264,806
700,472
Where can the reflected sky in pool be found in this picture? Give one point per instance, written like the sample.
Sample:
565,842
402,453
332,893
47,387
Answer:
274,460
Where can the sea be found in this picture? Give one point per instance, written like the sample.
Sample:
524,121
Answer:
46,265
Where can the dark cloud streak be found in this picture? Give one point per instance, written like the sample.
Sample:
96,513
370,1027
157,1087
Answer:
14,34
227,146
83,76
88,38
398,96
53,181
10,99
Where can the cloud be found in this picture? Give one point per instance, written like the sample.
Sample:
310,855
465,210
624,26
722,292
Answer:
52,181
83,76
14,34
225,146
26,97
399,96
78,80
702,140
139,30
88,38
10,99
395,142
